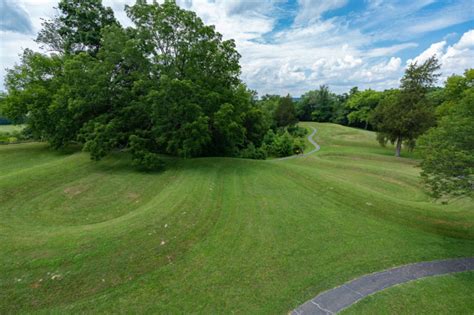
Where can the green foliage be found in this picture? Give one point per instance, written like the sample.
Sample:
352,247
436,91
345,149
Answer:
170,80
256,122
361,106
285,113
325,103
31,88
322,105
180,46
297,131
453,91
298,145
282,145
269,103
77,28
251,152
406,114
448,149
180,125
141,155
13,136
228,126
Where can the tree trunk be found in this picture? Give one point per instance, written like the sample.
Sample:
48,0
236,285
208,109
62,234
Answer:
399,147
366,124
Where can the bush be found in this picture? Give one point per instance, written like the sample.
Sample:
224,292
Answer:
12,137
142,157
298,146
283,145
147,161
297,131
250,152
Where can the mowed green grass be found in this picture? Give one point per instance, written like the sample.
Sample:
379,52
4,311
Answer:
11,128
213,235
448,294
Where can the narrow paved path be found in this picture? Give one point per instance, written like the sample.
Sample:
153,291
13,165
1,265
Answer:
337,299
310,139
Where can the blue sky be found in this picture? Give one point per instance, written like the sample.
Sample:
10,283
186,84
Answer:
296,45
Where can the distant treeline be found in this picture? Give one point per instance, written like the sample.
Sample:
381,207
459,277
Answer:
354,108
4,121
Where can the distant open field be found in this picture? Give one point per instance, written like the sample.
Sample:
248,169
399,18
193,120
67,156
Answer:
219,235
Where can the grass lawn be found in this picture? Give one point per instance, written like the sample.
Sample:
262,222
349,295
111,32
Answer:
213,235
10,128
449,294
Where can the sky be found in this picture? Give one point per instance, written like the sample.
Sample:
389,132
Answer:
297,45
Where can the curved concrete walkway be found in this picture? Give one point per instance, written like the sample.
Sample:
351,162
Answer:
339,298
310,139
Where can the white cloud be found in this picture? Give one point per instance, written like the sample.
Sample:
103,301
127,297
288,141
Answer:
436,49
454,59
388,51
466,41
311,10
342,51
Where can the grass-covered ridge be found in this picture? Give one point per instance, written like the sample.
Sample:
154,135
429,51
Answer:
213,235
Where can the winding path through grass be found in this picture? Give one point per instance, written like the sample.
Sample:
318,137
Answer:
339,298
311,140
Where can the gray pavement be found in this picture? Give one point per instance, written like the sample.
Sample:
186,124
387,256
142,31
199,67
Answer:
339,298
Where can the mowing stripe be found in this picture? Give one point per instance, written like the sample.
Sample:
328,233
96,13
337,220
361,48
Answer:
339,298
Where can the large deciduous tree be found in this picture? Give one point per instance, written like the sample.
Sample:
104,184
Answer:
404,115
170,84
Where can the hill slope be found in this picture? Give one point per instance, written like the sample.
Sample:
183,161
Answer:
213,235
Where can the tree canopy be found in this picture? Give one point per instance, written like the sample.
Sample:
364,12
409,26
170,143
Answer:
285,113
317,105
361,105
77,27
404,115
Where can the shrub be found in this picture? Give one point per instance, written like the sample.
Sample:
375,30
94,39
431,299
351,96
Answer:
297,131
142,157
298,146
283,145
250,152
12,137
147,161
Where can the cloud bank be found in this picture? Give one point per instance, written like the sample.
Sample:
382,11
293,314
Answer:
295,46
